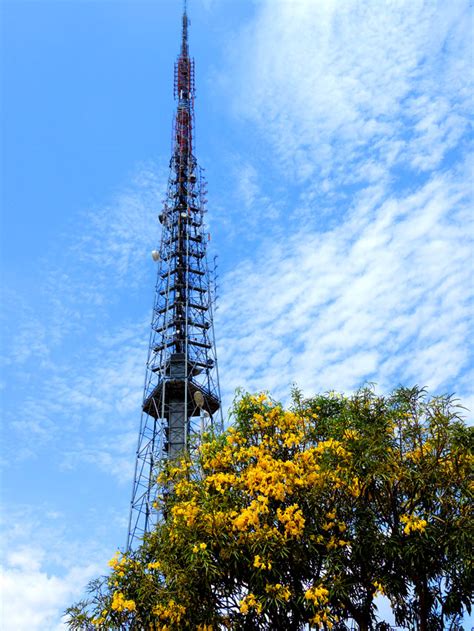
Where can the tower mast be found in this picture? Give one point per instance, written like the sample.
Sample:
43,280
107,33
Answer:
181,393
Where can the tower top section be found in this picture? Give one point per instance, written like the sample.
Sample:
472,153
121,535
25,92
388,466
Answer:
184,38
184,92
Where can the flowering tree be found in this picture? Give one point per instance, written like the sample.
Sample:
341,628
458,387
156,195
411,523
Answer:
302,517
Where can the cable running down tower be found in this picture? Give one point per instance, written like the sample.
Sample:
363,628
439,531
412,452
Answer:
181,394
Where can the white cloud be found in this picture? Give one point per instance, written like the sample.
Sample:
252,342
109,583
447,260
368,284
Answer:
345,91
383,297
120,235
33,600
44,569
76,362
363,276
87,406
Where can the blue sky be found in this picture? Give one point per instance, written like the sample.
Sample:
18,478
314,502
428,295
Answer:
336,141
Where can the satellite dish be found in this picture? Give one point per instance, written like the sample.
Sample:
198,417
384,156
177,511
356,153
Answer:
155,255
198,399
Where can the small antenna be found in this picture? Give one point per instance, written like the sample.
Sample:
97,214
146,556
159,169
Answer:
184,44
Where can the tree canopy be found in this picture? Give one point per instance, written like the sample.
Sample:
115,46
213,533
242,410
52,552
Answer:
301,517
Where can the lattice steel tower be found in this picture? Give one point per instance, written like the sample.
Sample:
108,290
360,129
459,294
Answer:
182,383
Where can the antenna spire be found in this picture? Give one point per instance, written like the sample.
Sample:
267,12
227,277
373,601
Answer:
184,41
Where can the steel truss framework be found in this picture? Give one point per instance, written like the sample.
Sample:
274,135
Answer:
181,392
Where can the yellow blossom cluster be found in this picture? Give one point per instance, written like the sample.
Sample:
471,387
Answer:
319,597
317,594
250,602
250,517
336,528
270,477
222,481
222,459
174,471
250,400
355,487
186,511
280,591
334,446
335,542
101,619
119,563
293,520
217,521
197,548
155,565
183,488
322,620
413,524
258,563
379,590
172,612
119,603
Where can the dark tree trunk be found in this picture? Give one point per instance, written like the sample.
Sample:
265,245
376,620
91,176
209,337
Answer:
423,605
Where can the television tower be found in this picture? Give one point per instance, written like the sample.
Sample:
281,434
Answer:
181,394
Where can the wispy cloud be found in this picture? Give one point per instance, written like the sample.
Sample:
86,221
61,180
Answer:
363,112
334,85
385,297
45,567
77,363
120,234
32,598
85,408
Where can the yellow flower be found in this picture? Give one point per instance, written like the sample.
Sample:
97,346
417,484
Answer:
114,561
98,621
120,604
317,594
119,563
293,520
280,591
186,511
258,563
413,524
379,590
250,602
332,445
249,517
172,612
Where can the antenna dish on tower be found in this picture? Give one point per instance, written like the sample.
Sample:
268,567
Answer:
199,399
155,255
